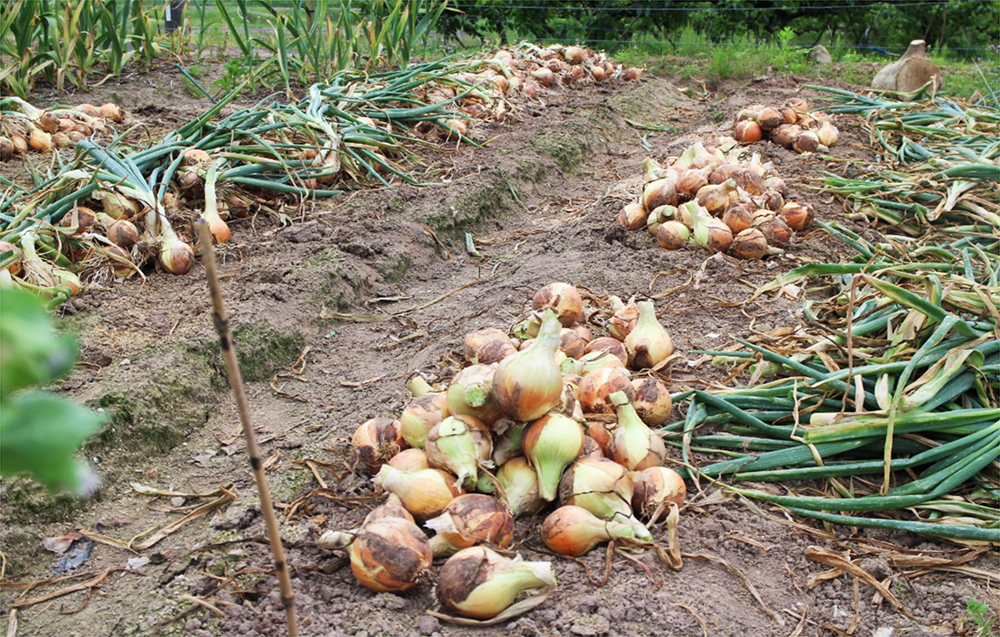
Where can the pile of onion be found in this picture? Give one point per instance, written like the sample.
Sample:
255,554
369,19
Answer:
793,126
564,422
719,196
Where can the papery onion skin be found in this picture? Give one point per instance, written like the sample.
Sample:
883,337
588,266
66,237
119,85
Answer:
475,341
672,235
479,583
622,321
472,519
561,298
798,215
390,555
420,415
737,217
652,400
632,216
391,508
596,386
648,343
424,493
529,384
747,132
655,485
376,441
749,244
612,345
410,460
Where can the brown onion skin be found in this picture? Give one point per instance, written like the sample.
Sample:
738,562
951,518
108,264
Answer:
600,433
798,216
591,449
610,345
561,298
495,351
390,555
571,344
807,142
749,244
376,441
652,400
786,134
775,230
622,322
737,217
482,519
747,132
596,386
672,235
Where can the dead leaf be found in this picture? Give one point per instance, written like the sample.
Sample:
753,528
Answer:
833,559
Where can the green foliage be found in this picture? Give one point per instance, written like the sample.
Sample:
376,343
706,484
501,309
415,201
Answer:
39,432
984,617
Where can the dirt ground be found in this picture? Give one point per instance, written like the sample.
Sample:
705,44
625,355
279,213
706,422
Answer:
540,199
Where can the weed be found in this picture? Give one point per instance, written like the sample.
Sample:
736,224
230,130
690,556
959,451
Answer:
984,617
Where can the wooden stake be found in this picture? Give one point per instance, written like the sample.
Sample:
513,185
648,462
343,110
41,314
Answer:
236,380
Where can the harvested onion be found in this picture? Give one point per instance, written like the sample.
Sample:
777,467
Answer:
561,298
528,384
376,441
468,520
648,343
479,583
390,555
550,444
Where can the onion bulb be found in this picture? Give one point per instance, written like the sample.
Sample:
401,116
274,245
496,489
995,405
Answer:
769,118
120,232
737,217
375,441
614,346
528,384
509,443
574,54
79,219
110,111
749,244
659,215
827,134
450,446
176,256
420,415
519,481
218,227
655,485
798,216
477,340
39,140
747,132
6,148
693,180
661,192
806,142
544,75
786,134
570,343
390,555
648,343
651,401
391,508
601,486
773,226
472,391
596,386
622,322
672,235
479,583
634,445
716,197
632,216
115,205
550,444
561,298
469,520
424,493
572,530
631,73
601,433
410,460
591,449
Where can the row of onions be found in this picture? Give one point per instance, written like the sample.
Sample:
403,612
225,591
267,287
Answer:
113,211
793,126
896,374
24,127
543,416
718,196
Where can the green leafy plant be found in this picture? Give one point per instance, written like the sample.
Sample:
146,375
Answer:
980,614
39,431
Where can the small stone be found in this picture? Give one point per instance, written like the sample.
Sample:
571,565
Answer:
394,602
819,55
427,625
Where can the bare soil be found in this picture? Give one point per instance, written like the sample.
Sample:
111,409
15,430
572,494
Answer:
540,199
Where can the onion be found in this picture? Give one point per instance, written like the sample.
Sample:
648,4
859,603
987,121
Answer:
477,582
597,72
39,140
716,198
631,73
572,530
591,449
632,216
691,181
561,298
469,520
828,134
375,441
574,54
749,113
806,142
520,484
477,340
218,227
596,386
528,384
409,460
634,445
6,149
661,192
613,346
419,417
424,493
120,232
390,555
786,134
648,343
724,172
773,200
544,75
799,105
620,324
550,444
601,486
769,119
747,132
655,485
672,235
450,446
61,140
737,217
176,256
472,391
789,114
110,111
570,343
19,143
749,244
79,219
659,215
798,216
652,400
774,228
391,508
